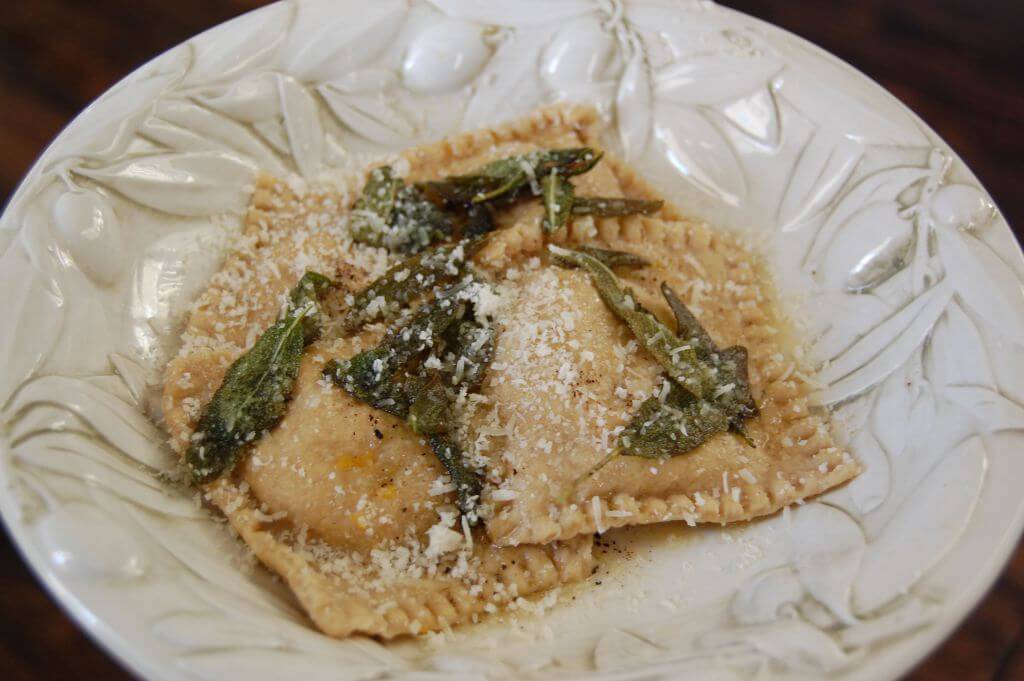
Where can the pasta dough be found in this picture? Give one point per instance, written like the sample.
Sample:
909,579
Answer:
352,508
567,376
342,501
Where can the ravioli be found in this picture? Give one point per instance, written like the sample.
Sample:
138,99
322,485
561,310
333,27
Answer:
567,375
354,510
345,502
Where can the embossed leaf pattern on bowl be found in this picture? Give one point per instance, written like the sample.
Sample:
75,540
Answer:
913,304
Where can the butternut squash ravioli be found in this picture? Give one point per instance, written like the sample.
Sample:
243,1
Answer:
417,395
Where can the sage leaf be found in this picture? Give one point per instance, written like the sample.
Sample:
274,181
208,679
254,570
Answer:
416,223
612,207
557,194
363,377
369,375
506,178
306,295
671,426
395,377
309,290
739,401
567,162
612,258
479,220
389,214
472,353
379,194
710,389
432,396
410,278
430,408
677,358
467,482
731,363
256,388
687,326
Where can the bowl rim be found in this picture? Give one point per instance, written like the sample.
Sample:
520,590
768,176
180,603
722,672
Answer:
956,608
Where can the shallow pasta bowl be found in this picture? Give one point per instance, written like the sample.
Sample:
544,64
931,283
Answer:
902,275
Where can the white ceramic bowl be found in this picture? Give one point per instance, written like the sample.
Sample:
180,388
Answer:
909,282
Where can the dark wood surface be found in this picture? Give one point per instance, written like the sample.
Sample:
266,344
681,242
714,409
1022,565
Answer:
957,63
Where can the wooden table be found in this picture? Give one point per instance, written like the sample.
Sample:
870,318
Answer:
958,63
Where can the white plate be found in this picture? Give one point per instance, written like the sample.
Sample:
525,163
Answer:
910,281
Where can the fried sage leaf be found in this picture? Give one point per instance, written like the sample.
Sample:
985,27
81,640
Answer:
687,326
567,162
467,350
372,211
397,217
671,426
416,223
409,279
309,290
557,194
612,258
471,354
254,393
715,382
430,405
479,220
611,207
393,376
432,394
307,294
380,193
467,483
679,359
369,375
505,178
363,376
731,362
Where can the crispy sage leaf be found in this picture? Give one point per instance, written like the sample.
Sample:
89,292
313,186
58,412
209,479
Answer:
613,258
610,258
731,363
672,426
309,291
611,207
254,393
397,217
557,194
505,178
369,375
739,400
474,348
372,211
393,378
679,359
710,389
416,223
363,377
380,193
467,483
432,394
479,220
687,326
430,408
568,162
409,279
